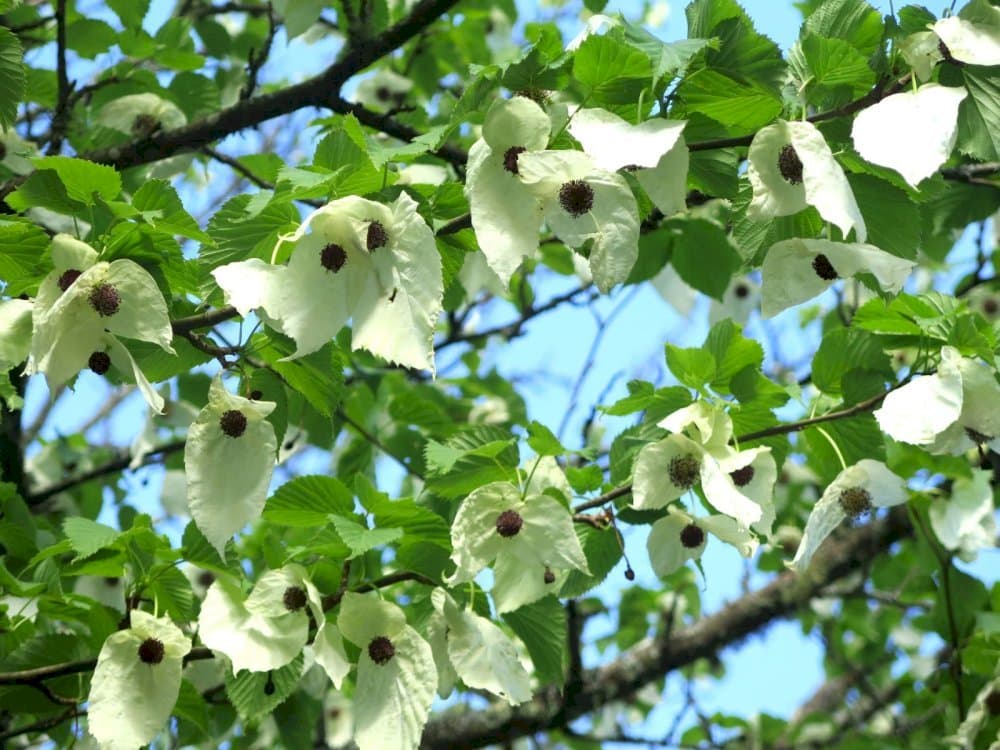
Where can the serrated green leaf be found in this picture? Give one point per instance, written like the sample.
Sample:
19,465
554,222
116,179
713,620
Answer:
12,77
695,368
88,536
979,114
239,232
744,107
361,539
543,441
22,245
308,501
602,549
256,694
82,179
703,255
542,628
158,202
90,37
611,71
893,220
854,21
733,353
844,350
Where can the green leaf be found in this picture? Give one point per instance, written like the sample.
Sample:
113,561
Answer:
542,628
845,350
893,220
979,114
733,353
22,245
192,707
319,376
299,15
486,454
543,441
856,438
361,539
703,255
90,37
241,230
88,536
12,77
611,71
83,179
308,501
695,368
744,107
854,21
131,12
830,69
256,694
602,549
171,590
158,202
666,58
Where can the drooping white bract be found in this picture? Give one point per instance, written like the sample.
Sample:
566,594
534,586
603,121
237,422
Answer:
674,290
364,260
980,712
396,674
791,167
698,452
679,537
15,331
505,214
965,522
483,656
597,22
15,152
383,91
141,114
913,132
974,40
228,459
741,298
136,682
796,270
583,202
525,537
856,490
951,411
655,147
83,304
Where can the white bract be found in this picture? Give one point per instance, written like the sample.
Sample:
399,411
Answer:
136,682
951,411
376,264
699,453
482,655
141,114
674,290
679,537
741,298
965,522
15,152
791,167
15,331
527,538
979,714
83,305
973,36
913,132
796,270
396,674
383,91
855,491
655,148
228,459
583,202
505,214
597,22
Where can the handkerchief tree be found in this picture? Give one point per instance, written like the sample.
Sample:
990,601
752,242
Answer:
437,374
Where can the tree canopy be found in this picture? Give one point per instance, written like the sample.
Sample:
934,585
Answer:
299,239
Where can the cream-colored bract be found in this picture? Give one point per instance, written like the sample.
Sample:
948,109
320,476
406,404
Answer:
228,477
912,132
668,553
545,539
17,152
974,40
966,522
392,292
791,271
393,698
505,214
822,184
654,147
383,91
121,114
482,655
130,700
947,412
67,328
884,489
612,221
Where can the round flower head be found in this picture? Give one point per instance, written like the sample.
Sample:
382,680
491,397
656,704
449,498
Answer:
791,167
856,490
523,537
83,304
655,149
15,152
228,459
951,411
973,36
913,132
505,215
481,654
140,115
582,202
383,91
136,682
374,263
965,522
396,674
797,270
679,537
